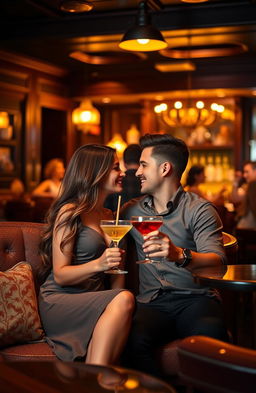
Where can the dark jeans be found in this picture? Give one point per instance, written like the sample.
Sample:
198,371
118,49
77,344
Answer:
168,317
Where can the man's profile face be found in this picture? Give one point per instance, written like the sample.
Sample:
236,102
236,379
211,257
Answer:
249,173
149,172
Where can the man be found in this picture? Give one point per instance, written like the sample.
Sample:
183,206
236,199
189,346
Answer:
170,304
238,192
131,183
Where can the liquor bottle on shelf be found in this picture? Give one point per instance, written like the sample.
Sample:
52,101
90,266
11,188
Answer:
202,160
225,168
218,169
210,170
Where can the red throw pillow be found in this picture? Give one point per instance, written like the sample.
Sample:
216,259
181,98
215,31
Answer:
19,318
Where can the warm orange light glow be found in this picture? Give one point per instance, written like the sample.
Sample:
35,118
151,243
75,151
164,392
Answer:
118,143
87,118
143,45
86,113
4,120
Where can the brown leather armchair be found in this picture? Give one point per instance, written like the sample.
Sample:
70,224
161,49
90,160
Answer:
19,242
212,366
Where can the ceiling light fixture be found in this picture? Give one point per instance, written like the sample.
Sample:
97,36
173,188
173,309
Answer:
118,143
76,6
87,118
143,37
191,114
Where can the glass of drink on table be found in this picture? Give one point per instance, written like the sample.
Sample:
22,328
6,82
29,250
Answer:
116,230
145,225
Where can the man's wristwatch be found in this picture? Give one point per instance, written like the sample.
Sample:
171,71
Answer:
187,257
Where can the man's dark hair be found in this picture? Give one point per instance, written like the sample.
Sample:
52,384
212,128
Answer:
166,147
132,154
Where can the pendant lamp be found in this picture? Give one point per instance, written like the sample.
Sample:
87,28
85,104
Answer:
143,37
87,118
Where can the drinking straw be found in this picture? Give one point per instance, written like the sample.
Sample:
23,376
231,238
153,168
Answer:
118,208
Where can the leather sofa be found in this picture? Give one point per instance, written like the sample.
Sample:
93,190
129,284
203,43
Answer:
19,242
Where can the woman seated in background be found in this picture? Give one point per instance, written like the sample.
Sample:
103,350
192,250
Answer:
82,319
53,173
195,177
247,218
20,207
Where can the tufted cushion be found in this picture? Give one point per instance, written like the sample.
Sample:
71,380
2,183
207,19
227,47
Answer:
19,319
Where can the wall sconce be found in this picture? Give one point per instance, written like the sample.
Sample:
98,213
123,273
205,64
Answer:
143,37
87,118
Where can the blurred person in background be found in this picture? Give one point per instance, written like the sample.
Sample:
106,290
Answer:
195,177
53,172
247,218
242,179
131,183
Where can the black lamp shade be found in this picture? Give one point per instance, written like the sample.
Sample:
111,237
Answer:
143,37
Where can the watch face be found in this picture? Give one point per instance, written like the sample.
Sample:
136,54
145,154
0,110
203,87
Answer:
187,254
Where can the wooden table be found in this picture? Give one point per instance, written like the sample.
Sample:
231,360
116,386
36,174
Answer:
235,277
67,377
242,280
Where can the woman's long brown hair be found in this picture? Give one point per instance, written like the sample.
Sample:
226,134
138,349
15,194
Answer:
84,176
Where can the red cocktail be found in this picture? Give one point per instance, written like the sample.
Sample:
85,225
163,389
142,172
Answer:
145,225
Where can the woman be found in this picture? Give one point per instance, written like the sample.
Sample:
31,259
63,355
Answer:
195,177
53,173
82,320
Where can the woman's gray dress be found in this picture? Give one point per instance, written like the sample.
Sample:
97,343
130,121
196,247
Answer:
69,314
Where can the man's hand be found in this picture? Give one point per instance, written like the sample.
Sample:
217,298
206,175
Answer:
158,244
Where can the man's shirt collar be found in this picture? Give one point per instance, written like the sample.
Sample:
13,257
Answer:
148,203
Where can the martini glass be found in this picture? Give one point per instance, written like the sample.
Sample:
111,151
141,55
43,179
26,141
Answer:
145,225
116,231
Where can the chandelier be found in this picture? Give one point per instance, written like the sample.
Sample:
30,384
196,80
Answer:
87,118
191,115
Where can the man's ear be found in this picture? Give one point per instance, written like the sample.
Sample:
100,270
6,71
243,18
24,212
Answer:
166,168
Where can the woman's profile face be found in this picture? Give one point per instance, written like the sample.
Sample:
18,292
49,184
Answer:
113,182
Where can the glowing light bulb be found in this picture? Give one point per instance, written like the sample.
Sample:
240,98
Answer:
200,104
143,41
214,107
86,116
178,105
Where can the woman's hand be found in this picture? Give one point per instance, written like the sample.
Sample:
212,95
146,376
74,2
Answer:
110,258
158,244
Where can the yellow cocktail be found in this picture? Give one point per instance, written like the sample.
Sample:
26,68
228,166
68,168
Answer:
116,232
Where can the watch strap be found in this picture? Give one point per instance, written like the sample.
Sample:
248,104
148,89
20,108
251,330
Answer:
187,257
